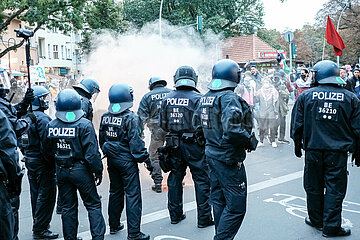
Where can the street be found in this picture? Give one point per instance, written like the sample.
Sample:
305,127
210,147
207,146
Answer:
276,205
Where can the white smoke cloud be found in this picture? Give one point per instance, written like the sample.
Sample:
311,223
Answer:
132,58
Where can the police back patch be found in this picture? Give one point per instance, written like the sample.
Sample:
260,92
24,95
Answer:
207,101
61,132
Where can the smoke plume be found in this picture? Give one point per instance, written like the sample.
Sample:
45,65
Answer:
135,56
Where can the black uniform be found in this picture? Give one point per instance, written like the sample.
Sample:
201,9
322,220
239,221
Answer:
149,113
121,142
326,121
86,106
13,113
176,118
75,150
41,172
221,116
10,177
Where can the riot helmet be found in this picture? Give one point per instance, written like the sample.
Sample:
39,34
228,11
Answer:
120,97
68,106
42,98
89,86
4,83
325,72
225,74
185,76
156,80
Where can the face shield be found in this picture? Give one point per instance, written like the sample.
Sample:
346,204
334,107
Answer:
95,95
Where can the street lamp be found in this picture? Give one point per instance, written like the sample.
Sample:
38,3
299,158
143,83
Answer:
8,45
337,29
161,6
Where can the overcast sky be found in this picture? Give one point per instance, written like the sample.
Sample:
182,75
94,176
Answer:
290,15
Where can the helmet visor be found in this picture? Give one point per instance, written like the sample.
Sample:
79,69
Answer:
94,97
44,101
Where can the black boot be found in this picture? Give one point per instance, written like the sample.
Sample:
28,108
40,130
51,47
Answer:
206,224
308,222
118,228
182,217
342,232
157,188
139,236
47,234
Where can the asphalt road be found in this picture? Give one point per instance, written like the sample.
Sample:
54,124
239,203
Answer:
276,205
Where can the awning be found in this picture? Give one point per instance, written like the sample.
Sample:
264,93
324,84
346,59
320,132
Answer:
16,74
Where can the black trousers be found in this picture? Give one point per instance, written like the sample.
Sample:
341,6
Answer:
228,197
124,182
325,181
43,194
7,220
157,140
15,205
71,180
192,155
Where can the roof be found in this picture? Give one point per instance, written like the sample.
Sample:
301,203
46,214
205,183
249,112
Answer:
243,48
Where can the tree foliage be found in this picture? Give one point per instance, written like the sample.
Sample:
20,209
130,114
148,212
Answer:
231,17
99,16
65,15
349,28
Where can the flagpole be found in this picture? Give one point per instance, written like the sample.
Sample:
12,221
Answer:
337,29
323,53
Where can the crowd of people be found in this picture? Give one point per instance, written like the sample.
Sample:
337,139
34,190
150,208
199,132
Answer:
208,133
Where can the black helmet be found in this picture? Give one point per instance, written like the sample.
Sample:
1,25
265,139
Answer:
41,98
156,80
185,76
90,86
121,98
4,83
326,71
225,74
68,106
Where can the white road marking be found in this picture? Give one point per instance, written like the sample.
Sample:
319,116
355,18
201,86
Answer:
158,215
291,203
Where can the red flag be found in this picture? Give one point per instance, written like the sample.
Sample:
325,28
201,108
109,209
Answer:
333,37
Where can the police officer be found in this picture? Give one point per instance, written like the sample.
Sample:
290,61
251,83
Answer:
10,177
121,142
226,121
72,143
89,89
14,114
41,171
149,113
326,124
186,148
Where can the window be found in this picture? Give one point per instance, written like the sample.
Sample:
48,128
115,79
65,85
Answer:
49,51
62,52
68,56
55,51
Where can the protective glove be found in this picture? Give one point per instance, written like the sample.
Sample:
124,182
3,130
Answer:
356,158
32,117
149,166
29,96
98,178
298,152
253,142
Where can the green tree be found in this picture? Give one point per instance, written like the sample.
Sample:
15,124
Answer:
231,17
63,14
99,16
